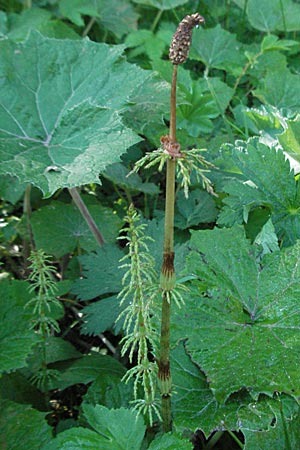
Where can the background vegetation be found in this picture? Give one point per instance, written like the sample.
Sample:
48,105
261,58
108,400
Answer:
85,88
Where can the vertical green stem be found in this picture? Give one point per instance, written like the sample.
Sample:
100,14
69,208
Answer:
167,280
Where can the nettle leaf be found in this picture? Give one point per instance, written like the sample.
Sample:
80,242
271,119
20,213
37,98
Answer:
271,15
217,48
21,426
17,339
100,316
59,110
260,165
59,228
117,16
244,332
102,273
198,208
87,369
145,41
280,88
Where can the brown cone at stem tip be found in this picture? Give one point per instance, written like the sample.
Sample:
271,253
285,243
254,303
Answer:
182,38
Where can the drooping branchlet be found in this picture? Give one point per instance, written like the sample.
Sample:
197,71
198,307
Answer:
182,38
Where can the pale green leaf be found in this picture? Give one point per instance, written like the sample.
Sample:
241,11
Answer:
290,138
271,15
280,88
102,273
217,48
60,125
17,339
59,228
244,333
260,166
23,427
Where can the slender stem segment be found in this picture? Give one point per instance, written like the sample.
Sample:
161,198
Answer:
86,215
167,280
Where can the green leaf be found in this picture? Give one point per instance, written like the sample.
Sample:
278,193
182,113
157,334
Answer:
244,332
198,208
87,369
78,438
267,239
290,138
22,427
162,5
122,428
17,339
56,349
59,113
59,228
217,48
280,88
100,316
283,432
117,16
101,271
145,41
271,15
260,165
205,100
118,174
171,441
10,189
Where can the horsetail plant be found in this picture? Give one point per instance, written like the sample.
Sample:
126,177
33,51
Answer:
140,288
45,306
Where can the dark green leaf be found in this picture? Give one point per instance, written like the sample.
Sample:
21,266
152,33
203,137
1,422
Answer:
244,333
101,272
59,228
198,208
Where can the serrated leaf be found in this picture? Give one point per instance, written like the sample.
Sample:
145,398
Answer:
122,428
244,333
56,349
271,15
59,114
59,228
171,441
280,88
290,138
217,48
22,427
102,273
17,339
87,369
100,316
78,438
198,208
260,165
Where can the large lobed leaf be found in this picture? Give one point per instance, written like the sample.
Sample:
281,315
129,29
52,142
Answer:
266,181
59,110
244,332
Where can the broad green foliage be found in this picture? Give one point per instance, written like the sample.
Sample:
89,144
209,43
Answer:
79,111
118,429
16,336
59,237
266,181
60,125
22,427
244,330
